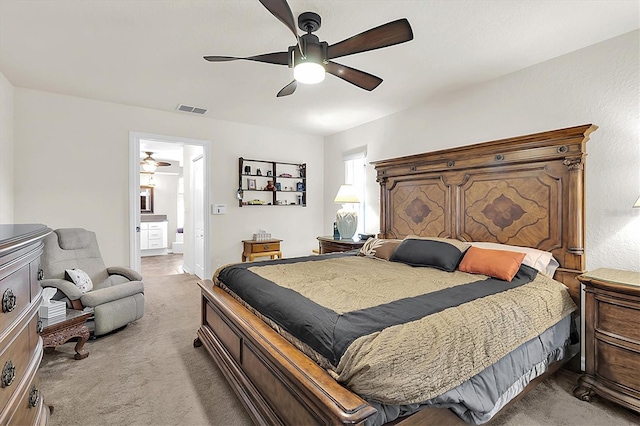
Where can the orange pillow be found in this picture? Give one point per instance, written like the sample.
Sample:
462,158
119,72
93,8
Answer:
494,263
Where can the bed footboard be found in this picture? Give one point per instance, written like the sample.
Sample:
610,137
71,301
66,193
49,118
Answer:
276,382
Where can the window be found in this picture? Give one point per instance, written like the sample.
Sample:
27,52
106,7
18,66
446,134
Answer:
355,162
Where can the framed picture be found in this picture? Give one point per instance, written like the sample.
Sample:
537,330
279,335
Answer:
251,184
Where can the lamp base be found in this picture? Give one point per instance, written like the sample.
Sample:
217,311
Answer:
347,222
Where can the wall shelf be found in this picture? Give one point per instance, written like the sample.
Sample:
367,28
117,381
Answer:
290,179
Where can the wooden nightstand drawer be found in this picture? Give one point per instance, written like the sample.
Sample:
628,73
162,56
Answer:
618,365
262,247
621,319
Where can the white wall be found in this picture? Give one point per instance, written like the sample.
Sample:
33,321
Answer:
74,165
598,84
6,150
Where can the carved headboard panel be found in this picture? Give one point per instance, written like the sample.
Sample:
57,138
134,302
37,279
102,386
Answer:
525,191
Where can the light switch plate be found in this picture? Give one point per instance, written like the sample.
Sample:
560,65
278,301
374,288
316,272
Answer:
218,209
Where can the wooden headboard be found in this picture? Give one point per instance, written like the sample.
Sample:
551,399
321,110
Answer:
524,191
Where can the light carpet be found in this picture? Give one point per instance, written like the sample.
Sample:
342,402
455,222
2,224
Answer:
149,373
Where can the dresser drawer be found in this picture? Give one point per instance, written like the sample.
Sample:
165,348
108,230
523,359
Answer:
618,317
155,225
29,405
15,293
14,361
34,272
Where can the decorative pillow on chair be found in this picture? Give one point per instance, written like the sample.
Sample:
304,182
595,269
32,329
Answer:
440,253
378,248
494,263
80,279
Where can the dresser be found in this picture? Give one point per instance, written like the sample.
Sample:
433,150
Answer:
331,245
20,343
612,337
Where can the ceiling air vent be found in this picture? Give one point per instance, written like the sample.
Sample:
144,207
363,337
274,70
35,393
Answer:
192,109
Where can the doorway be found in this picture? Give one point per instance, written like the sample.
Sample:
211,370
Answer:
178,159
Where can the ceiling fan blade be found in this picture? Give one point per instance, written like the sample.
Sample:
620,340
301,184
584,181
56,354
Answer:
281,10
162,163
356,77
391,33
277,58
288,89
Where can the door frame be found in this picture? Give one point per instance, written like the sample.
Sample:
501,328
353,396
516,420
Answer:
134,192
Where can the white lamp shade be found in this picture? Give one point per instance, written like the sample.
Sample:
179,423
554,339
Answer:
346,194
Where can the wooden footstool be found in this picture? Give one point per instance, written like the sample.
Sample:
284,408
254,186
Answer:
56,331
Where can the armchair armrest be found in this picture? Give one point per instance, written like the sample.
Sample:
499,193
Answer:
128,273
109,294
68,288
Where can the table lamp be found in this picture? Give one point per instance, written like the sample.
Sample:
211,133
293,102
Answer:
347,216
637,203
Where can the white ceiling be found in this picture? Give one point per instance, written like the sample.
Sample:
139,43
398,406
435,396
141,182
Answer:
149,53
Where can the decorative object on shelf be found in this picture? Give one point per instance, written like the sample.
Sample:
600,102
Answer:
301,170
269,173
336,233
258,172
347,216
299,199
270,186
285,175
300,186
247,170
239,194
278,186
251,184
636,205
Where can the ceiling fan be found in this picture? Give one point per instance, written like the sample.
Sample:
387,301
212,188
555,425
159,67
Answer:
149,165
311,59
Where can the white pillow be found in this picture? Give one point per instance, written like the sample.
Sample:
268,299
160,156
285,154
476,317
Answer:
80,279
541,260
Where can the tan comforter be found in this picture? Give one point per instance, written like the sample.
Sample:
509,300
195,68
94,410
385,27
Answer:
416,361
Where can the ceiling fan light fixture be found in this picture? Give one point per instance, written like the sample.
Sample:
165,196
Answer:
149,167
309,73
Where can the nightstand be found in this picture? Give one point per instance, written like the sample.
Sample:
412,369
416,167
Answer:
253,249
329,245
612,337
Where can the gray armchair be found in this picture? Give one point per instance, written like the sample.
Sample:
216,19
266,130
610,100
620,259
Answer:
117,297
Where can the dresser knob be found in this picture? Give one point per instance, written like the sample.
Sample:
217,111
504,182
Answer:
8,373
34,396
8,301
266,247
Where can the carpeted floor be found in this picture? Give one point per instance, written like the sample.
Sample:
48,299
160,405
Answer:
149,373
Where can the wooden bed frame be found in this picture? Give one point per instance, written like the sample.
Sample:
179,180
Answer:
526,191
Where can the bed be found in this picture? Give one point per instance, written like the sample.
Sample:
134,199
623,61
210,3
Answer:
523,191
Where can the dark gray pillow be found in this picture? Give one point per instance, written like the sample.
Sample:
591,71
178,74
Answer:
440,253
